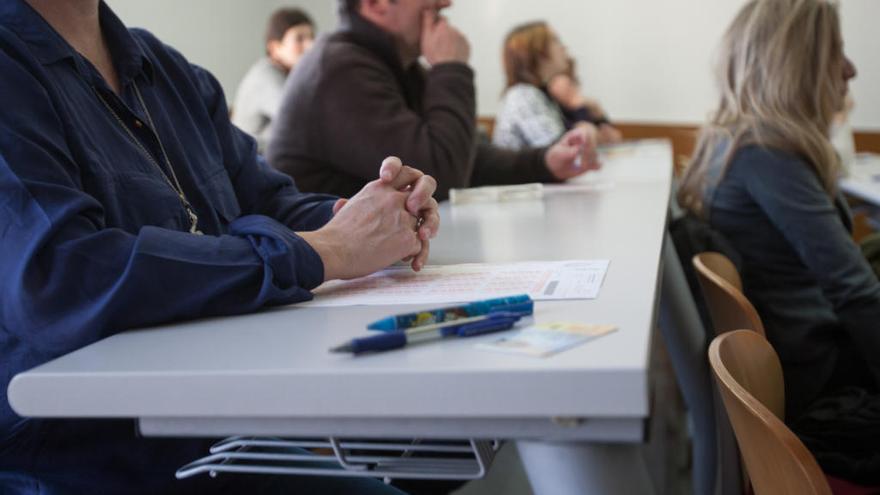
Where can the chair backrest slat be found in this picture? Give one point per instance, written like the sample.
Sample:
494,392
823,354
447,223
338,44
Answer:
722,291
749,376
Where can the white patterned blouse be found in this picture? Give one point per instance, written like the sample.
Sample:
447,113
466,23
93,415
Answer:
527,118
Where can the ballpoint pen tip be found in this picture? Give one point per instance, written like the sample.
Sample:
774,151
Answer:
342,348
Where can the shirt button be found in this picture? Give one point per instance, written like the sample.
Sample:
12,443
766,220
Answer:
138,123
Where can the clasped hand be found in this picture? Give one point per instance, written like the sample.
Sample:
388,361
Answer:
391,219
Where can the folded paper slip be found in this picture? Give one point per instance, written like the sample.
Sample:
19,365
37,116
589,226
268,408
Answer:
497,194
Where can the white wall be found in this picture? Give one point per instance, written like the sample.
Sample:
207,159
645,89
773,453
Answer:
649,60
638,57
224,36
646,60
862,45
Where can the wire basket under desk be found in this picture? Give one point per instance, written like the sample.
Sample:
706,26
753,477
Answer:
413,459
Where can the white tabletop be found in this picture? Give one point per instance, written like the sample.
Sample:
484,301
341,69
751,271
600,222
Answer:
275,364
863,180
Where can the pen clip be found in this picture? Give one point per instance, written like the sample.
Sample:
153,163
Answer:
456,329
523,308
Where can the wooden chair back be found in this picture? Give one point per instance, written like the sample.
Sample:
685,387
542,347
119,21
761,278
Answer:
749,376
722,291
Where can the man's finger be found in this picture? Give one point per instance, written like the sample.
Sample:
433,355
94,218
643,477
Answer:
338,205
430,221
406,178
419,261
569,153
422,191
389,169
589,159
575,137
429,17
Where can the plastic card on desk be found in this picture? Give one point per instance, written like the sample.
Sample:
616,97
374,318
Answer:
497,194
547,339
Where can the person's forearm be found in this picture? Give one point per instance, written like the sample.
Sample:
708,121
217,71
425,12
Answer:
108,281
496,166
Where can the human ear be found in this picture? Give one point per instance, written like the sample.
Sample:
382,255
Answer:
272,48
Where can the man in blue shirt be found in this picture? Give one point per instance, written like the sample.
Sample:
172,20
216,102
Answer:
128,199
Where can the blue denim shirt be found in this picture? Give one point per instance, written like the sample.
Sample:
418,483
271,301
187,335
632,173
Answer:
93,239
816,294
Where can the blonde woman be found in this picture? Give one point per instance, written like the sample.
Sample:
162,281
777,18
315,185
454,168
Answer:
765,175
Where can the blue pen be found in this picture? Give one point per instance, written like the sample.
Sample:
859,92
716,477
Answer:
518,304
465,327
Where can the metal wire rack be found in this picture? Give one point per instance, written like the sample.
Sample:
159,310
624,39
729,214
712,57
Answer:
412,459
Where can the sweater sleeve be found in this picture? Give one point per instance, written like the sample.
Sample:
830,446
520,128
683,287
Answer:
496,166
371,120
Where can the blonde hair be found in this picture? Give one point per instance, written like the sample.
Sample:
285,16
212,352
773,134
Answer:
524,48
779,73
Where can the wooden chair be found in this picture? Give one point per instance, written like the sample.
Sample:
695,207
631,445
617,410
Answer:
722,291
749,375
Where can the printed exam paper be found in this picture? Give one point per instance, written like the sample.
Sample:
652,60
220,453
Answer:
542,280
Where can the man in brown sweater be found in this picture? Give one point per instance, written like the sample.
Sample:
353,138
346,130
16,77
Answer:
361,95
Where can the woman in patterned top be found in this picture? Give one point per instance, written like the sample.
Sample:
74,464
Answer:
543,98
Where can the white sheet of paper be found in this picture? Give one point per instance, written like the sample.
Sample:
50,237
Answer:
542,280
546,339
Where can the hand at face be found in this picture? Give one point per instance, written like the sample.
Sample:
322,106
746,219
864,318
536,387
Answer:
574,153
566,91
441,42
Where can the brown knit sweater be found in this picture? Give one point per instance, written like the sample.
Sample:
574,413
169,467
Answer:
350,103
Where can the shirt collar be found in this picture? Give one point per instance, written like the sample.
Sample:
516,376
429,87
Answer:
49,47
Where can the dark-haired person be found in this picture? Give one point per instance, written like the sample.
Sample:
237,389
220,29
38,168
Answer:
289,35
765,176
128,199
543,99
362,91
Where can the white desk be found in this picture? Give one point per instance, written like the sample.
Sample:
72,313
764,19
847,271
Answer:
863,181
270,373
